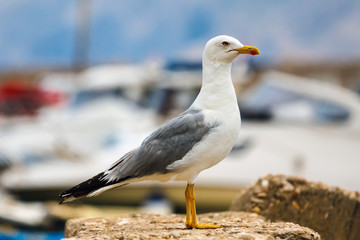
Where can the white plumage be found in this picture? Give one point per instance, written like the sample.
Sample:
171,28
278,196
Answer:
197,139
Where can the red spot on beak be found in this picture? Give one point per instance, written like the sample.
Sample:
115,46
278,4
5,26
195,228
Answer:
253,53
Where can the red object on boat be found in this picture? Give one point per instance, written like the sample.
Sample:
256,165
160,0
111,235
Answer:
18,98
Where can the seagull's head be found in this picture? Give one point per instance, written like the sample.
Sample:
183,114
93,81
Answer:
225,49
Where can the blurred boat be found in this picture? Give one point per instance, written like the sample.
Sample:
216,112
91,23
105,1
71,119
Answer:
22,214
298,99
310,130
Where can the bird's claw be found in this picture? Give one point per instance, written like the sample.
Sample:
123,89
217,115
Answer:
202,226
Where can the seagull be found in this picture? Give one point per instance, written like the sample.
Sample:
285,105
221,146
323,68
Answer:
195,140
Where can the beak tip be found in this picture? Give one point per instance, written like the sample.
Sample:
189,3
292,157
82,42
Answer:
248,50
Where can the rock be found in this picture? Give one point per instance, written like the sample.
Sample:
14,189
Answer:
236,225
331,211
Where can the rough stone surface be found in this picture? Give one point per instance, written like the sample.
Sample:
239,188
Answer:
236,225
331,211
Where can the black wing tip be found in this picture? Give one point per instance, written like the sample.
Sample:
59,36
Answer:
83,189
87,187
61,200
64,196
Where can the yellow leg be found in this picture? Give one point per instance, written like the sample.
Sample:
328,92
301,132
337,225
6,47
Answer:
191,222
188,207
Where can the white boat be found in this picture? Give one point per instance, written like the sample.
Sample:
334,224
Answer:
298,143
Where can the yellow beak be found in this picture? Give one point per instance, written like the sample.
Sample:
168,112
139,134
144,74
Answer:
248,50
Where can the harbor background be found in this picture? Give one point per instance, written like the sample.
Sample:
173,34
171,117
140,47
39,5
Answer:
83,82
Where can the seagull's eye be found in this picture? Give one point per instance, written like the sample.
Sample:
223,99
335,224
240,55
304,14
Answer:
225,44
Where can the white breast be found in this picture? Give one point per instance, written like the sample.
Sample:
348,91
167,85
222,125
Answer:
217,101
213,148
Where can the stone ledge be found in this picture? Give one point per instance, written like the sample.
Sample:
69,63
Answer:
236,225
331,211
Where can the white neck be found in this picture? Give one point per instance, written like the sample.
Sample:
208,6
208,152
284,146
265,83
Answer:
217,90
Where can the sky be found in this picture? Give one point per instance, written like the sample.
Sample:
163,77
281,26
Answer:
43,33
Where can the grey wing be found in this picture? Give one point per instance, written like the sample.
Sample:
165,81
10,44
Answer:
171,142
